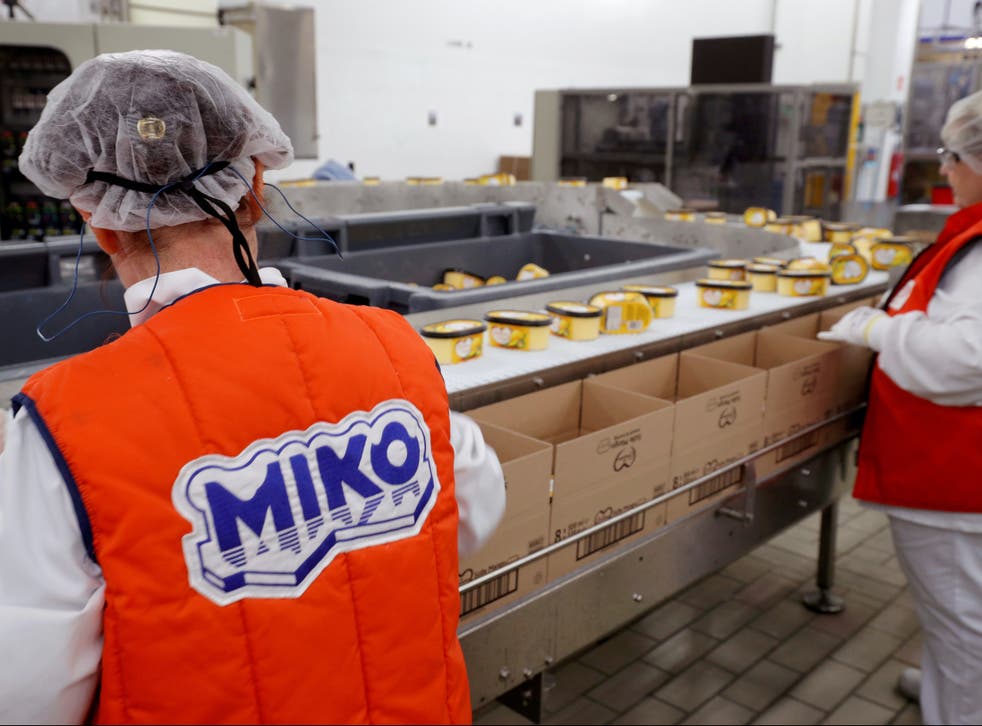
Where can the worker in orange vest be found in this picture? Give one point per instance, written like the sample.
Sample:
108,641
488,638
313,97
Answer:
245,509
921,449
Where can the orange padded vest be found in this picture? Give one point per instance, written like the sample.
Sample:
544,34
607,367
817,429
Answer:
913,452
266,480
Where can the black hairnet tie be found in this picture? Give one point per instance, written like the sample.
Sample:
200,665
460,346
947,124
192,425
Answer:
224,214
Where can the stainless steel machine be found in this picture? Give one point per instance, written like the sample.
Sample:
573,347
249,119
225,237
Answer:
508,650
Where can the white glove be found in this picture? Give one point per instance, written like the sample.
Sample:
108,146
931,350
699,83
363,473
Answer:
855,327
480,484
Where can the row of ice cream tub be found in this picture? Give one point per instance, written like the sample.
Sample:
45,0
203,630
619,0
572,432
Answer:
807,228
631,309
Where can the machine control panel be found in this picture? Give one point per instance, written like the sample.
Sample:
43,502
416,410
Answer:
27,75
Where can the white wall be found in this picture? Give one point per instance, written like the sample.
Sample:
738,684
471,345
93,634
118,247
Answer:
383,65
56,11
892,37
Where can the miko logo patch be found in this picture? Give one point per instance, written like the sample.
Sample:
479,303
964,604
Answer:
267,522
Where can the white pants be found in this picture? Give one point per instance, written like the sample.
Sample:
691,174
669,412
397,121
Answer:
944,574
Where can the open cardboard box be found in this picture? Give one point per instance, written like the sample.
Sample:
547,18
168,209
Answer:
718,419
514,539
854,360
524,529
802,377
611,451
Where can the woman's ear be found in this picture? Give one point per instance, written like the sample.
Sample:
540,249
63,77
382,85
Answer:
258,187
106,238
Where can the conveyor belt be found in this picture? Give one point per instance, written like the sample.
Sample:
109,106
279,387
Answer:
511,647
498,364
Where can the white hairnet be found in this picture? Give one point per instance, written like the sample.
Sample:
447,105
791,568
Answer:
153,117
962,130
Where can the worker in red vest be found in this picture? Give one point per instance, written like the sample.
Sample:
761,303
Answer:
920,455
245,509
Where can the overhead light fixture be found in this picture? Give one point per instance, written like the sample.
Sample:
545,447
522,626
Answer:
973,43
611,97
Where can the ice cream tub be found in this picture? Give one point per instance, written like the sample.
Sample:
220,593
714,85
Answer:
661,299
807,263
680,215
781,225
806,228
838,231
841,248
724,294
461,280
623,312
758,216
518,329
849,269
615,182
763,278
802,283
531,271
714,218
574,320
891,252
771,261
727,269
455,341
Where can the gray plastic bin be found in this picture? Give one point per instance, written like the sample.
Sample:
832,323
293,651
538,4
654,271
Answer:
402,279
35,279
378,230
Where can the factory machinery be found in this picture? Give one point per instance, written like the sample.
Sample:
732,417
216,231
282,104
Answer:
625,569
509,648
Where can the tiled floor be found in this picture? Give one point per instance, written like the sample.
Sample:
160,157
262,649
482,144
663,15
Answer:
738,647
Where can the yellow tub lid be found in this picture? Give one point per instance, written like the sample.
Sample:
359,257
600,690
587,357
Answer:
730,284
574,309
761,269
518,317
653,290
453,328
803,273
728,264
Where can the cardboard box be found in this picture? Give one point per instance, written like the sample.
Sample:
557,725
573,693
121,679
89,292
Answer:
576,513
805,326
611,452
802,448
802,377
527,466
524,529
517,165
599,435
718,419
514,539
854,361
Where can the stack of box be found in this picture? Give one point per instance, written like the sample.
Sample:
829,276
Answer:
614,441
801,389
611,452
527,466
718,419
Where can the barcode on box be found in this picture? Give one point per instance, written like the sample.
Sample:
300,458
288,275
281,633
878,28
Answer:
492,590
609,535
716,484
793,448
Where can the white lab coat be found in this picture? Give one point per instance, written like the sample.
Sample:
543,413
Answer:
52,594
937,355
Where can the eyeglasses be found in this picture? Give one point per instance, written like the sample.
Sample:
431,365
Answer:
947,156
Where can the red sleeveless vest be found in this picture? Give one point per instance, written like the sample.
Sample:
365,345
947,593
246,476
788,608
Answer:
266,480
915,453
